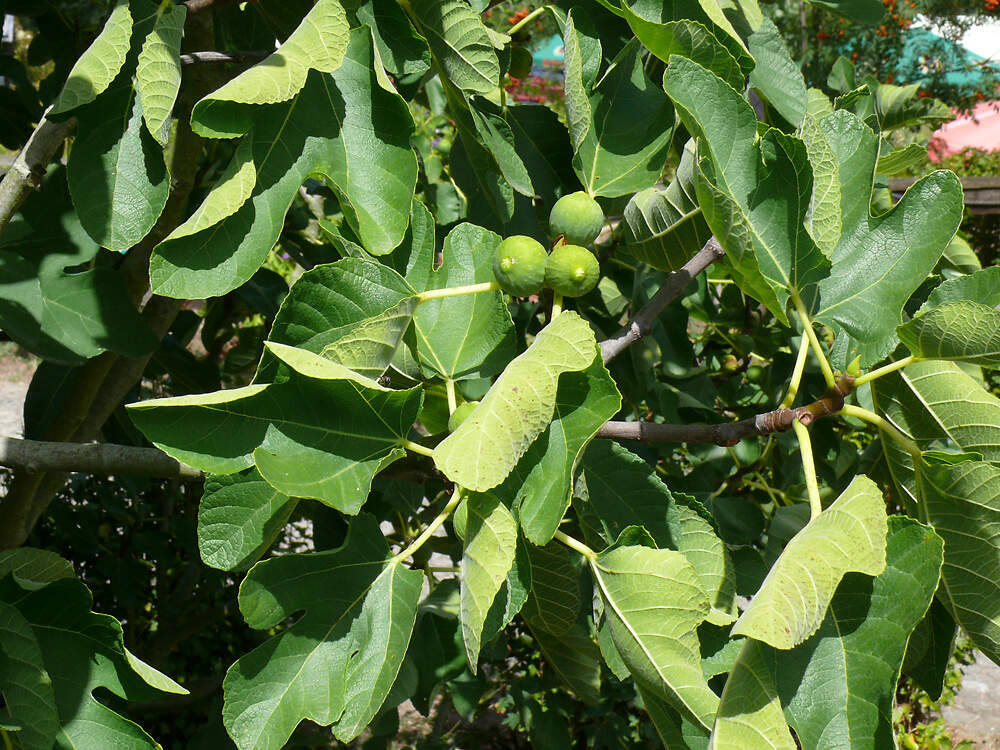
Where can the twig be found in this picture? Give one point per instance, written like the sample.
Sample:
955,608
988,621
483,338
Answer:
210,56
675,283
26,172
730,433
93,458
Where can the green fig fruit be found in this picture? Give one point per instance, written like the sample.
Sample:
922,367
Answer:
577,217
519,265
459,415
572,271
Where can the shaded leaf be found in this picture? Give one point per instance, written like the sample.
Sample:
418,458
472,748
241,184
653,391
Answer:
575,658
776,76
553,603
25,685
239,517
336,664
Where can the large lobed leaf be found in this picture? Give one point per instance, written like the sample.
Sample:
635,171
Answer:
320,431
319,43
849,536
330,129
880,260
336,664
754,193
518,408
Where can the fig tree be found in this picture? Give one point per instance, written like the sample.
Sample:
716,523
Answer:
572,271
519,265
577,217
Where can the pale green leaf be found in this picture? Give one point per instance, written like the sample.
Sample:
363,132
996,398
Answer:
337,663
823,220
936,405
665,225
485,448
353,312
880,260
960,256
750,716
319,43
116,173
460,44
960,331
238,519
158,71
776,76
623,490
755,193
25,685
97,67
653,602
849,536
233,188
962,502
490,542
839,686
326,129
541,485
322,432
553,604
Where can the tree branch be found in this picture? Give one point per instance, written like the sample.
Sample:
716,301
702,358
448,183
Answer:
26,173
196,6
93,458
642,323
210,56
730,433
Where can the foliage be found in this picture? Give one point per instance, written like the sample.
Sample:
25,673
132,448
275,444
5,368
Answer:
281,275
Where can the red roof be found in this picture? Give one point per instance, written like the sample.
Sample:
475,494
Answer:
980,130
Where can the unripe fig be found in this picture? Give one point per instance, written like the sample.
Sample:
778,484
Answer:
520,62
519,265
577,217
755,373
460,414
572,271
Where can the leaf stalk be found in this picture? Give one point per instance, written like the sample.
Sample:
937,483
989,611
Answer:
809,468
458,291
427,533
891,367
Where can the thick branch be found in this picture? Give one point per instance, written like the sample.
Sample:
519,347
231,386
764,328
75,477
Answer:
26,173
675,283
730,433
209,56
93,458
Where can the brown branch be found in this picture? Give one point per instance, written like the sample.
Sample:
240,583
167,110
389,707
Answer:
642,323
730,433
26,173
210,56
196,6
94,458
